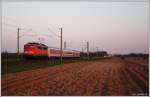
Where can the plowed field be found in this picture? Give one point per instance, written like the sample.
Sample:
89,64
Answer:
99,77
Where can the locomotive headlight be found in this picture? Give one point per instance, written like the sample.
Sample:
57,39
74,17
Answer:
31,52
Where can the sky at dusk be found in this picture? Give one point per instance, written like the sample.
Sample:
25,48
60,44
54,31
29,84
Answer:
116,27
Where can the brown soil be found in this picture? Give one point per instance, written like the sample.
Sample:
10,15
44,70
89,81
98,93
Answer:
100,77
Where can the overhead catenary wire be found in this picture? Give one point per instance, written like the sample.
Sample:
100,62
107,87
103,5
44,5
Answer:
15,26
14,30
10,20
10,29
10,25
21,28
55,30
53,33
34,35
47,35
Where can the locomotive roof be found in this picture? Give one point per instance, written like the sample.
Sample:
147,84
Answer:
35,43
63,49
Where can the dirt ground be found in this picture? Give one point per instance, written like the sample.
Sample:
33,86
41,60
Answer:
99,77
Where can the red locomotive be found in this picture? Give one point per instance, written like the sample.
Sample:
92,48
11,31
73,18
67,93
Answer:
40,50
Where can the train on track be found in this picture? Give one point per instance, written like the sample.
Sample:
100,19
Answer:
33,49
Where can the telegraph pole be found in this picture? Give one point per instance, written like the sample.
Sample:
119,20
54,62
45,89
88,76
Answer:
88,49
18,41
65,45
82,49
97,51
61,46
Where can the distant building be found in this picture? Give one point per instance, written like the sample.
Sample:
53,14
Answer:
101,53
94,54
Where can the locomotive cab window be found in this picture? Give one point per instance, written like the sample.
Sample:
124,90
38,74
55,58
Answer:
44,48
39,47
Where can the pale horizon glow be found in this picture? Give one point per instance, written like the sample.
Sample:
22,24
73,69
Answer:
115,27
